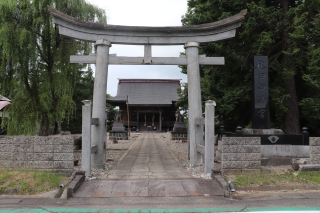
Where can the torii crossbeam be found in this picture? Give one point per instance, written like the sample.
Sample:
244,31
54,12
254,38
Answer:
104,35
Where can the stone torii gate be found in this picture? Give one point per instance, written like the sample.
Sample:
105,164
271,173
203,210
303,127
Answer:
104,35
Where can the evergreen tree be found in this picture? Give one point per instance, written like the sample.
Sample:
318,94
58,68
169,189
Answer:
34,62
287,31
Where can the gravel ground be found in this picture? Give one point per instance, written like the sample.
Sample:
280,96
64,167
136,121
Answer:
115,152
277,169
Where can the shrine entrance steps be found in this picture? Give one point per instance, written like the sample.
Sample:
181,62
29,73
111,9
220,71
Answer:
149,170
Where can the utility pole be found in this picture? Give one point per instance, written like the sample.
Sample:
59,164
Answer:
128,115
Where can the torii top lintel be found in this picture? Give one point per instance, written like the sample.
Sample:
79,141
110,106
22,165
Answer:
118,34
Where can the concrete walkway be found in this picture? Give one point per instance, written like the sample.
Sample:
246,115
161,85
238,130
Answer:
149,169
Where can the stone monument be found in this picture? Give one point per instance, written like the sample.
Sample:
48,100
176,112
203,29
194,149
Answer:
260,118
179,129
261,93
118,131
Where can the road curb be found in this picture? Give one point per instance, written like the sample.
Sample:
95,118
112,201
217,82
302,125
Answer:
216,176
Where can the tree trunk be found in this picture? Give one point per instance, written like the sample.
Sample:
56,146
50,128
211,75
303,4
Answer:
291,123
44,126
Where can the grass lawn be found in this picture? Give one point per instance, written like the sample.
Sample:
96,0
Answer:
271,178
28,181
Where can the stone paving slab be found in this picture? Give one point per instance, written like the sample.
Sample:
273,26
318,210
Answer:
174,188
86,189
103,189
157,189
139,189
121,189
192,187
148,187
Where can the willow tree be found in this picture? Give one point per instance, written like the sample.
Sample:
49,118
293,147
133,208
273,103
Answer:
34,62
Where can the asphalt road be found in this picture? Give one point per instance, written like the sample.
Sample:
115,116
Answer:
251,202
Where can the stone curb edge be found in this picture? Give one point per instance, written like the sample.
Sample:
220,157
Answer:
76,182
277,187
216,176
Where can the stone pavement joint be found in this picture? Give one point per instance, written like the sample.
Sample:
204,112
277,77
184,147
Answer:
148,169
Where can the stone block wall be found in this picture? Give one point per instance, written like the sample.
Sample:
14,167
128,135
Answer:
314,150
179,136
50,153
241,154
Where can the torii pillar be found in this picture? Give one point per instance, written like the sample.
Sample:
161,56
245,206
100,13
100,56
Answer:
98,132
194,100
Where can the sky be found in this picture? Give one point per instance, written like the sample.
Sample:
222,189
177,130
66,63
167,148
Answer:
143,13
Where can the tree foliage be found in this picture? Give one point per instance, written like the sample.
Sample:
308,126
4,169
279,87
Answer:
84,91
288,33
35,70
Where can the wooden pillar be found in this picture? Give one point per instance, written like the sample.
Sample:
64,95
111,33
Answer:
137,121
160,120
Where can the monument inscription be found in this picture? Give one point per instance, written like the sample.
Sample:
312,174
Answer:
261,93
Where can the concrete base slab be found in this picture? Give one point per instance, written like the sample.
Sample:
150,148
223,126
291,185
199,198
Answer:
309,167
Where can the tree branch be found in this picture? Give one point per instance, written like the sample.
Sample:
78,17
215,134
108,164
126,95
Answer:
38,47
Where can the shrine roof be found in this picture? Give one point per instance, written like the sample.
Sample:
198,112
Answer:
146,92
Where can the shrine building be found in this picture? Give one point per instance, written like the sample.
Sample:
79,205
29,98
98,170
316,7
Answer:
151,103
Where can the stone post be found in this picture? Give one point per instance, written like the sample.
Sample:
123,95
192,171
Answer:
98,136
194,100
209,136
86,137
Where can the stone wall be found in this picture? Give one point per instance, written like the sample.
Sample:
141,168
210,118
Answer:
241,154
179,136
295,151
315,150
50,153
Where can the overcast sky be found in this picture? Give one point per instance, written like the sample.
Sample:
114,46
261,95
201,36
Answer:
143,13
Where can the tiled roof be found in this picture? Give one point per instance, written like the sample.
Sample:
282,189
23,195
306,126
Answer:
148,92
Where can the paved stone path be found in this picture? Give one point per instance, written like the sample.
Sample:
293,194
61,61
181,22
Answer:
149,169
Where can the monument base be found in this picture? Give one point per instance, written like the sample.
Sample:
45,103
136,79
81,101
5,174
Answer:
179,127
98,166
118,135
262,131
179,132
118,127
179,136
